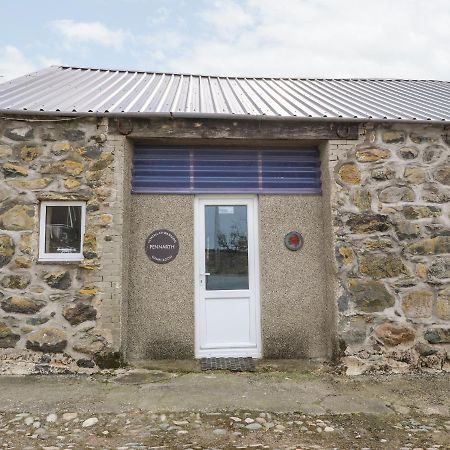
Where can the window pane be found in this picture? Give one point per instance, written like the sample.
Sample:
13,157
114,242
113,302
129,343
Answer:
63,229
226,247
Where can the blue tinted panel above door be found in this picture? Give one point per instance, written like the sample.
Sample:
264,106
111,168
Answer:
225,170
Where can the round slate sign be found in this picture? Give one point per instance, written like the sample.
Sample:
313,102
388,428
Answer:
293,241
162,246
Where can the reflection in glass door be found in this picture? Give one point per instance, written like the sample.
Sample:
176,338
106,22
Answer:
226,247
227,288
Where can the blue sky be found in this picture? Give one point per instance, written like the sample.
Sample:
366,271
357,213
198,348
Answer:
315,38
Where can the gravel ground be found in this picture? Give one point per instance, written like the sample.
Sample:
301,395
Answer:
221,430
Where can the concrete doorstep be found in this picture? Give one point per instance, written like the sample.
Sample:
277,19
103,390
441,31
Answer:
158,390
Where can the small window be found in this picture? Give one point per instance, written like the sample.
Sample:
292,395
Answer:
61,231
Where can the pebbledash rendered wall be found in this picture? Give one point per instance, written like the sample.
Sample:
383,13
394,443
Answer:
386,197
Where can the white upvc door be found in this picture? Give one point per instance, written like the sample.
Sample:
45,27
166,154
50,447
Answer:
227,315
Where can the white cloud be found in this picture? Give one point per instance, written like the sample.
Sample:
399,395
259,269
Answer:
88,33
13,63
45,61
307,38
227,17
159,16
322,38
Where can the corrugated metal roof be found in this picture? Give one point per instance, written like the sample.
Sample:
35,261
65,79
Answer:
73,90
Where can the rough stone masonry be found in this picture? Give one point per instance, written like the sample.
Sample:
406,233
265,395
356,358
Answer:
389,200
58,316
391,224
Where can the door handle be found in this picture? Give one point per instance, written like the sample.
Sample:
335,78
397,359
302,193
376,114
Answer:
203,276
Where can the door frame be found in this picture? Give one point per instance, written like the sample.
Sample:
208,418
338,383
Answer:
198,217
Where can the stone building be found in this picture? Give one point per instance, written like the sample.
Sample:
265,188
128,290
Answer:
162,216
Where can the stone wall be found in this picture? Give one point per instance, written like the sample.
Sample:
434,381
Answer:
58,316
388,194
390,209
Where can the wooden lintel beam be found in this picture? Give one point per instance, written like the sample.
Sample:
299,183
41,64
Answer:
136,129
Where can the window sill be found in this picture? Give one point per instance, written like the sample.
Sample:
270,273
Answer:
60,261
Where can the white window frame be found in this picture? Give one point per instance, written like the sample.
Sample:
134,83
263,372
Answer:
43,256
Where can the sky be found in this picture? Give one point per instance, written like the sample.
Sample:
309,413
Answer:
292,38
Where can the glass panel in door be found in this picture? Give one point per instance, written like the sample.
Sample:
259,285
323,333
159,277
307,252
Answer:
226,247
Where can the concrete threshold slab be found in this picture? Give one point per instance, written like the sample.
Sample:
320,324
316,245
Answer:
262,365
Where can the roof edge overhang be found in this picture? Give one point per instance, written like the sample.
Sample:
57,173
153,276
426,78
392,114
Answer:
218,116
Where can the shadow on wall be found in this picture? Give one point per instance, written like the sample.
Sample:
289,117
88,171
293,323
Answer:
288,344
168,349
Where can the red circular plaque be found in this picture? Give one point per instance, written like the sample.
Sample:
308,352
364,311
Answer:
293,241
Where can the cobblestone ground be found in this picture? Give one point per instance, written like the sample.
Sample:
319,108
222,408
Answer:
222,430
